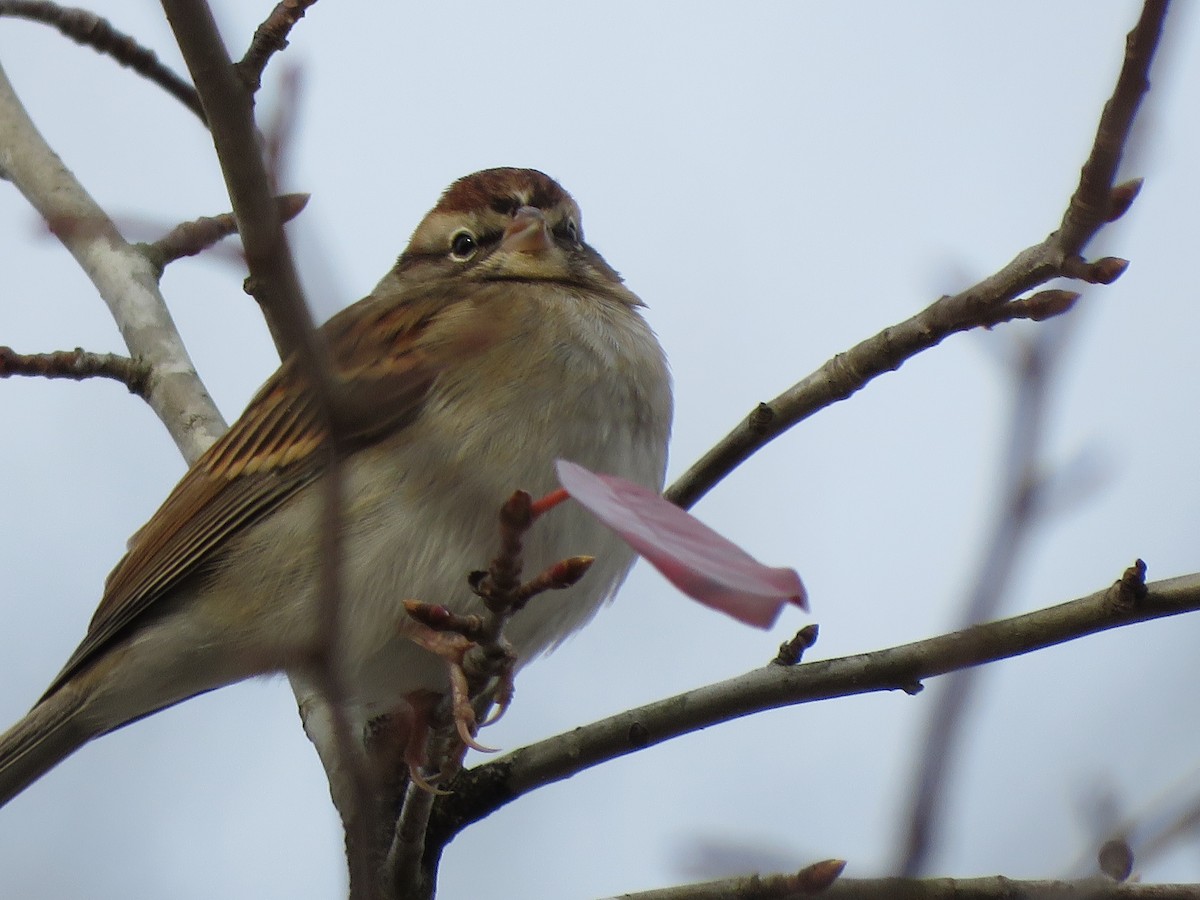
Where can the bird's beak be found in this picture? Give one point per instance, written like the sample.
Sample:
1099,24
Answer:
527,232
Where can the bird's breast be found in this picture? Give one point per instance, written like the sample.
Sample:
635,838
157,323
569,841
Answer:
423,508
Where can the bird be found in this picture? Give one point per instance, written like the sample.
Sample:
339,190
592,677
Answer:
498,342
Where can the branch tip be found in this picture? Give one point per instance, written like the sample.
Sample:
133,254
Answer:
792,651
1105,270
1048,304
1130,589
1116,859
1122,196
1109,269
559,576
291,205
196,236
1037,308
517,512
761,419
269,38
438,618
820,876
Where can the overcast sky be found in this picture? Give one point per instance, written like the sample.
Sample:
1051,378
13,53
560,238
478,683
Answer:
778,180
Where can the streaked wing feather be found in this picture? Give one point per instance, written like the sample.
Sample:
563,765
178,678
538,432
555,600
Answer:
268,455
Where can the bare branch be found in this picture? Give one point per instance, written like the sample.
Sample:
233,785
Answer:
485,673
406,856
198,235
481,791
269,38
275,283
125,279
77,364
997,887
809,881
231,116
85,27
1095,202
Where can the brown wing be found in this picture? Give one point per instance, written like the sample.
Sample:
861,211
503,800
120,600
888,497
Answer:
379,351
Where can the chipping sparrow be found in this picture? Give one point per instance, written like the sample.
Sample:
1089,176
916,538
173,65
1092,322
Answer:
498,342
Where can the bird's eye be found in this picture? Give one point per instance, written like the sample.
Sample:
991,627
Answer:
463,245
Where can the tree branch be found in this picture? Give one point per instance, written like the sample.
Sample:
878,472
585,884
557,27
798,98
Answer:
481,791
196,236
85,27
274,282
269,38
77,364
814,879
997,887
125,279
1095,202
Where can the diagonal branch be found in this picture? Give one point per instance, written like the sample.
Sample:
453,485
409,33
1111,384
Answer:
85,27
274,282
269,38
123,276
481,791
1096,202
1092,205
231,120
196,236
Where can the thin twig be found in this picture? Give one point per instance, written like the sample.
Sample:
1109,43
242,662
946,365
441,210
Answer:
77,364
1096,202
1036,308
487,670
996,887
196,236
85,27
481,791
269,38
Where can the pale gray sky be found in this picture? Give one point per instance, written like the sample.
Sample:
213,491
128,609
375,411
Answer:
778,180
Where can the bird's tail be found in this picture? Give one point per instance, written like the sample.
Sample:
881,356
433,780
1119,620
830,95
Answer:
49,733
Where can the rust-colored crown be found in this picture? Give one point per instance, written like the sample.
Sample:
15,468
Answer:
503,190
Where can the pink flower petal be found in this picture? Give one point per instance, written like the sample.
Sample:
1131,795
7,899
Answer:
692,556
